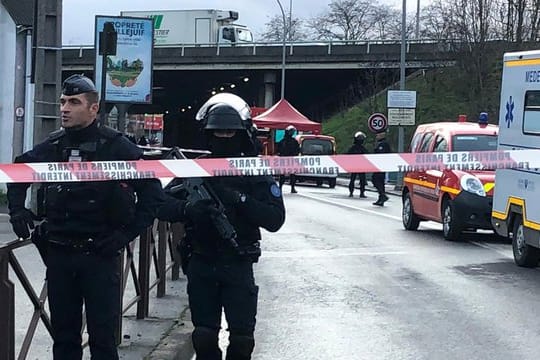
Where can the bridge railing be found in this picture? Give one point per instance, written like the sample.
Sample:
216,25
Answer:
255,48
156,246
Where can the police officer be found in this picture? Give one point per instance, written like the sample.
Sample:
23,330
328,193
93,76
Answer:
220,274
378,179
288,146
87,223
358,148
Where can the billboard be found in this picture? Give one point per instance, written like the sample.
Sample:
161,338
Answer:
129,72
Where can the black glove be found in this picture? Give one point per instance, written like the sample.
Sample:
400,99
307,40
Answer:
22,222
110,245
229,196
201,210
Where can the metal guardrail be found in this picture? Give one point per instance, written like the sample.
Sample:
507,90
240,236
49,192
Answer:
151,251
444,45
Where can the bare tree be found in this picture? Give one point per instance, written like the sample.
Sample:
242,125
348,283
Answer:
274,29
344,20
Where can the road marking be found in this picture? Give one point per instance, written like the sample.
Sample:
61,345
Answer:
493,248
373,212
327,252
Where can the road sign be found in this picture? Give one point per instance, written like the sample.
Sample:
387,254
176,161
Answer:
401,116
401,99
377,122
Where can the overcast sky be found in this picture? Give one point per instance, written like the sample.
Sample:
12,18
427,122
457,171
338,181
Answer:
79,16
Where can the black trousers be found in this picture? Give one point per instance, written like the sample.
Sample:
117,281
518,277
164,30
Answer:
74,278
292,178
378,181
227,285
361,180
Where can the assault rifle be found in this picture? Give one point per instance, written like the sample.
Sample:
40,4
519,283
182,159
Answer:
198,189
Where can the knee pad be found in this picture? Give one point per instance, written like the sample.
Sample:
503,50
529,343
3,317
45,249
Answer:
205,340
240,346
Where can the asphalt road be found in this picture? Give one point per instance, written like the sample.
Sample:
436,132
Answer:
343,280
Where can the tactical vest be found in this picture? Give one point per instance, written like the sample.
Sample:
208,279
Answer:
85,209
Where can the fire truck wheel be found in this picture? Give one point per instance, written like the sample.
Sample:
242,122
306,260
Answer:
451,227
524,254
410,219
319,183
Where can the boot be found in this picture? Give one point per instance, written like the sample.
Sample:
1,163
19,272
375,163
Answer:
362,195
293,191
350,195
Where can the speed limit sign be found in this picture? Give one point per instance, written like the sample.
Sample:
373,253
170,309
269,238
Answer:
377,122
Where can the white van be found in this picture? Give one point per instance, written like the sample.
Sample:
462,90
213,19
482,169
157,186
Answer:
516,201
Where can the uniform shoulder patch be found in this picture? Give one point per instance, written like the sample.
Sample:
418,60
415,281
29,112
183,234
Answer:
275,190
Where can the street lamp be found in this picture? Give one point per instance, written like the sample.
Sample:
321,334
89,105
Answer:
283,51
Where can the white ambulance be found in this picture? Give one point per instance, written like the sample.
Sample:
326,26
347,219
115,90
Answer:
516,201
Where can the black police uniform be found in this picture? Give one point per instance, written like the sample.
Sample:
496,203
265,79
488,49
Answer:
357,148
220,274
288,146
87,223
381,147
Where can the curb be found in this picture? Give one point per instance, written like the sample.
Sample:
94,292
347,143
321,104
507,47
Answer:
176,344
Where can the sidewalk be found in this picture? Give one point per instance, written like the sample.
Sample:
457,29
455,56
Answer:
165,334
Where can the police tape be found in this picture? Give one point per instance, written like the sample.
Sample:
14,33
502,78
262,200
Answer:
267,165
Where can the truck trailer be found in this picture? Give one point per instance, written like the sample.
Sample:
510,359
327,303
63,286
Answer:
209,27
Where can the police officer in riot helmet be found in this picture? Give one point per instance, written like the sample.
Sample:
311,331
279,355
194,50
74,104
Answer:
220,275
288,146
86,224
358,148
381,147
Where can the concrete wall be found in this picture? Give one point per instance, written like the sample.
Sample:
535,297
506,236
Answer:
7,81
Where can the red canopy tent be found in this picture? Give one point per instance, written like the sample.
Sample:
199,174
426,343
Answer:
283,114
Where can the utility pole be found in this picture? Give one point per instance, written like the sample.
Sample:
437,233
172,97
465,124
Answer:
47,66
417,34
20,91
283,50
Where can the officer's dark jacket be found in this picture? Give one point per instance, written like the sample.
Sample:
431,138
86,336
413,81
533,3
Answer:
90,209
288,146
382,147
357,149
263,208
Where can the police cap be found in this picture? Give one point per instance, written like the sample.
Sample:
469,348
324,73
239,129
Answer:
77,84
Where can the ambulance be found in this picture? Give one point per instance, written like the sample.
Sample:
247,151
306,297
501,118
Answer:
516,203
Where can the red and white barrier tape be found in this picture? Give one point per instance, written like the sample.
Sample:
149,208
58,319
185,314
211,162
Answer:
269,165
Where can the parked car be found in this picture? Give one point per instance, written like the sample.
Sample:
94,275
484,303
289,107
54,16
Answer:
459,199
311,144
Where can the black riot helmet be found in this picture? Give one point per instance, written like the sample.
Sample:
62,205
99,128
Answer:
359,137
227,111
290,130
78,84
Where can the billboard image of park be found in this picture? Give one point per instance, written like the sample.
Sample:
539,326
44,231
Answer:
122,72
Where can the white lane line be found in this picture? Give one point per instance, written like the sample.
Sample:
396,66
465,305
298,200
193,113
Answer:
494,248
373,212
327,253
428,225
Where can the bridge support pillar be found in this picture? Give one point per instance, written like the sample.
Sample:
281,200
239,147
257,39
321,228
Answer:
269,88
122,111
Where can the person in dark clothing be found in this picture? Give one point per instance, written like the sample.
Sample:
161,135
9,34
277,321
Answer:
86,224
381,147
220,274
358,148
288,146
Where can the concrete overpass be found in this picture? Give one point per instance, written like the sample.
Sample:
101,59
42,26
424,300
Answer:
318,75
191,72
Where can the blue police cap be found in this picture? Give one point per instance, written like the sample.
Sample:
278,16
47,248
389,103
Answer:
77,84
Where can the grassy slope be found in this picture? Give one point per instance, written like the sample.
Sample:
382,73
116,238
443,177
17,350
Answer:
442,94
